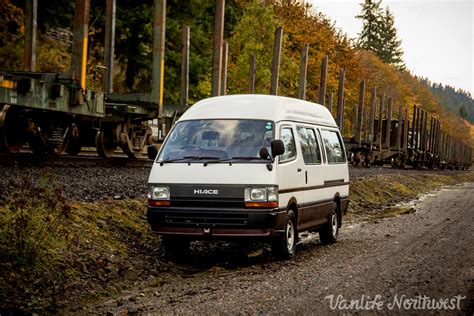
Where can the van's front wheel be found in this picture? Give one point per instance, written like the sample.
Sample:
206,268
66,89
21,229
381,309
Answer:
284,246
328,233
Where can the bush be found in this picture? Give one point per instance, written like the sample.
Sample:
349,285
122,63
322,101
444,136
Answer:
32,221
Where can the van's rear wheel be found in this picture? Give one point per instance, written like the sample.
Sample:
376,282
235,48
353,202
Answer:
284,246
328,233
175,246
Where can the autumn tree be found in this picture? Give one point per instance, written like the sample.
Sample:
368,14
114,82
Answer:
252,35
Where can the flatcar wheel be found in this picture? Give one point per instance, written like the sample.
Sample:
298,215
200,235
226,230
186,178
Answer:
131,152
104,144
12,129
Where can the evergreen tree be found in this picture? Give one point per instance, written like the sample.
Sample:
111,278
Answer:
379,34
371,16
390,50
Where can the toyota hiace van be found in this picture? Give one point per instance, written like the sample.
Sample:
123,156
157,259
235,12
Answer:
255,166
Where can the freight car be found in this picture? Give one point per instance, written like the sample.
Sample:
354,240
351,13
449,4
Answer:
57,113
421,143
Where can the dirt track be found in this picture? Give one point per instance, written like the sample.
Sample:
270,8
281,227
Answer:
425,255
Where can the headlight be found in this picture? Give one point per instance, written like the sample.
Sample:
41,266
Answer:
159,193
261,194
258,194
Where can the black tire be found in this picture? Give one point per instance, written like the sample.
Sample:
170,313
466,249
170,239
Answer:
175,246
329,232
284,245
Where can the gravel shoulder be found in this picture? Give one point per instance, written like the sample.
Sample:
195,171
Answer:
429,252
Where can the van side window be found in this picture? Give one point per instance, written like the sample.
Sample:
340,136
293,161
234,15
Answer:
333,146
289,142
309,145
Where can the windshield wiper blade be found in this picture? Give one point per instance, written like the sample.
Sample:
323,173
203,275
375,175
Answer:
201,158
171,160
212,158
246,158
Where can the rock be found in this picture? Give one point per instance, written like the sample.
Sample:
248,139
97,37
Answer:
130,274
132,310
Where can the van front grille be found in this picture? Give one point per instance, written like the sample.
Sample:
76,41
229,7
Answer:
221,203
206,219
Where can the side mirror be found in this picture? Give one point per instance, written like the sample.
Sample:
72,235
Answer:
152,152
278,148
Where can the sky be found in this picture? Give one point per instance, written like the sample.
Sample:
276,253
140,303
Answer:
437,35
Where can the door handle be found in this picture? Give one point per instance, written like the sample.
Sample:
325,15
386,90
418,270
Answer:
306,176
299,169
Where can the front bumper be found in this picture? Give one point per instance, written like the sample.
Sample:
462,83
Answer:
216,222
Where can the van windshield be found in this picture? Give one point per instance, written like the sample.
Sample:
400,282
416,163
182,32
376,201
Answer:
219,140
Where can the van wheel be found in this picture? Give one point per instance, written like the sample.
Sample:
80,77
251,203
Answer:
175,246
328,233
284,246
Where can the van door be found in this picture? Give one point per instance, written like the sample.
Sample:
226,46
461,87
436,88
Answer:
310,214
290,169
336,175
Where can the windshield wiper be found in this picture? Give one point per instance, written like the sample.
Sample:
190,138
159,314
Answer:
213,158
246,158
171,160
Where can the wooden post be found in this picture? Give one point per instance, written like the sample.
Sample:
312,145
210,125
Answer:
322,85
218,43
358,126
412,140
406,126
80,41
225,55
355,119
159,30
399,128
183,101
373,96
109,44
252,61
365,125
303,72
29,53
340,101
417,129
380,133
330,101
276,60
389,123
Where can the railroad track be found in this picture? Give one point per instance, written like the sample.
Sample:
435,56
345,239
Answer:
86,159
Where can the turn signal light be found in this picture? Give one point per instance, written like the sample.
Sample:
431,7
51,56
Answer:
158,203
261,204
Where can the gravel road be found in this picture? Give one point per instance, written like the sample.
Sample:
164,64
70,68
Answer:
409,259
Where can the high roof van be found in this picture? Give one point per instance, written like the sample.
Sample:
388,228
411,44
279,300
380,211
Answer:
255,166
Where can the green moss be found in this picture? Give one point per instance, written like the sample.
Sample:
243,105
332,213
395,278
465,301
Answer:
371,195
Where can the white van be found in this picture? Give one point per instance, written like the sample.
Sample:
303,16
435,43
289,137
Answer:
250,166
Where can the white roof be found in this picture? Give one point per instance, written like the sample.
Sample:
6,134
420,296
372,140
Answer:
256,106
